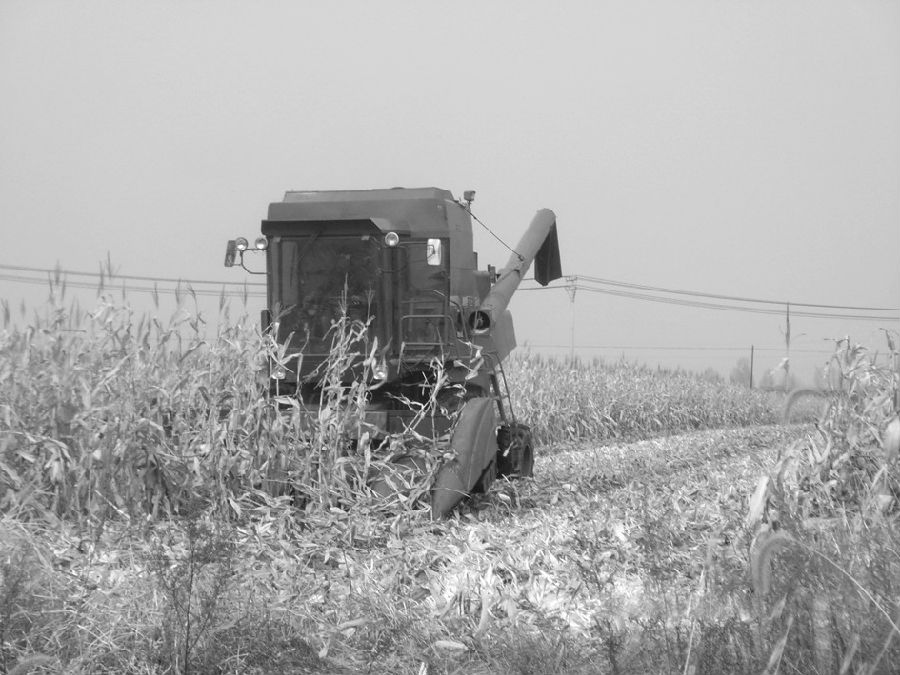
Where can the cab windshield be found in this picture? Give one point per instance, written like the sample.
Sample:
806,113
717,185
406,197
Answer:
315,279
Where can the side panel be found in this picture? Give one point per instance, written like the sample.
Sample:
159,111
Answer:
462,258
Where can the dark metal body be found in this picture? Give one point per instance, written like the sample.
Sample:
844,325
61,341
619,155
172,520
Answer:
424,299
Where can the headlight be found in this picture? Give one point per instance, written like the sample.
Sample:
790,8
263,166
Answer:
241,244
261,243
380,371
391,239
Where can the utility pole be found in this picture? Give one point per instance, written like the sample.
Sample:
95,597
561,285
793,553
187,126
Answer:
787,344
751,366
571,288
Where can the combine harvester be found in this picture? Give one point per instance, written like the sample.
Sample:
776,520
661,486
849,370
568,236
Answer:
403,261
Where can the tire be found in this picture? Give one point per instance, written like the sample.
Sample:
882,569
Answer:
515,457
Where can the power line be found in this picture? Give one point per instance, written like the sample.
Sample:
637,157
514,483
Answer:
718,306
129,277
205,292
737,308
716,296
649,297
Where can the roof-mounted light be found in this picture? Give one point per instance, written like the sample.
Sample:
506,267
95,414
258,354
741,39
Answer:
261,243
241,244
391,239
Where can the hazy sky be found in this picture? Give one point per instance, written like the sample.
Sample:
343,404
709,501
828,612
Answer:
738,148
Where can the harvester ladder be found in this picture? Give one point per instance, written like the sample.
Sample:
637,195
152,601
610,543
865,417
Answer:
501,390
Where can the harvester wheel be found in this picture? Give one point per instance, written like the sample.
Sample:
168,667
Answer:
515,457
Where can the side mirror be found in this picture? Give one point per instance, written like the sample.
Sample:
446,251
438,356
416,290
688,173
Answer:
230,253
433,252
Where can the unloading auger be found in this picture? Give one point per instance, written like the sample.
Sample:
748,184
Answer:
402,261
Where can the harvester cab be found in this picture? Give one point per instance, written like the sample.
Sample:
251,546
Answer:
402,262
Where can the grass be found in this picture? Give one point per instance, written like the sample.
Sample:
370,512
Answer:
155,516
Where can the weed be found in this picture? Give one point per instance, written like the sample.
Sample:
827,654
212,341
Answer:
17,601
195,586
828,553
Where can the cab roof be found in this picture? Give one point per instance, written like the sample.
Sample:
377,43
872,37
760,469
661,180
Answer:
420,209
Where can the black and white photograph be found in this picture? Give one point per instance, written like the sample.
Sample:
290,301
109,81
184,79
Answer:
472,338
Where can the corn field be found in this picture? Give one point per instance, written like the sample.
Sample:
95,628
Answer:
622,400
107,412
159,514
